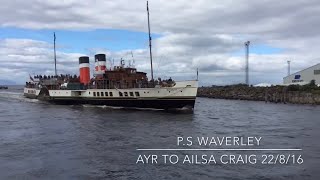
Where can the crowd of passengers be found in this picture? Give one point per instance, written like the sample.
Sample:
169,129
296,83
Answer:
61,76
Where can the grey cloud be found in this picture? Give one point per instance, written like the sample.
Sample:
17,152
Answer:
232,17
202,34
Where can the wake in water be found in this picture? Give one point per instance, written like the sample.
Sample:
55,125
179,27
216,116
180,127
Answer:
182,110
99,106
9,96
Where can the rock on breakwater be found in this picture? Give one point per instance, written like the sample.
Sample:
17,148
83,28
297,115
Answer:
307,94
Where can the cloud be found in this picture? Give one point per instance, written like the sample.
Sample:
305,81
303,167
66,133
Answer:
20,57
203,34
202,16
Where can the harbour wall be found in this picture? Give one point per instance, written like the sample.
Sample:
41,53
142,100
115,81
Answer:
276,94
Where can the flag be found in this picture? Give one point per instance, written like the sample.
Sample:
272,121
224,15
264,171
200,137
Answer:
147,6
197,73
31,78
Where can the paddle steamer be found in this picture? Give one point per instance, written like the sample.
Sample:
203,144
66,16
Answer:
117,86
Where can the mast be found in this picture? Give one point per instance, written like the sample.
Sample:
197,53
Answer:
55,56
247,61
288,67
150,43
197,74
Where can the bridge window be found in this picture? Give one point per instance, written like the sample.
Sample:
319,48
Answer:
131,93
137,94
126,94
94,93
110,94
120,94
98,94
106,93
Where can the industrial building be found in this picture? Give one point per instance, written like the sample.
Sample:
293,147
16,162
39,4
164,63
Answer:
304,76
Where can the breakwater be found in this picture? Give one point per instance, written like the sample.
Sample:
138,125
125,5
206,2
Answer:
308,94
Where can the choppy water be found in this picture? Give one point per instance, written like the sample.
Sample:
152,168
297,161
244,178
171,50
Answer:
42,141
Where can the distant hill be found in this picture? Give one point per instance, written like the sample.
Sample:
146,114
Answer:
6,82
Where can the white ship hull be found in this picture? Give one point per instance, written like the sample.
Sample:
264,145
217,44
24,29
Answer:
182,95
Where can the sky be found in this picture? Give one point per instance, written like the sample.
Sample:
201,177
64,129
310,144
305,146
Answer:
186,35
